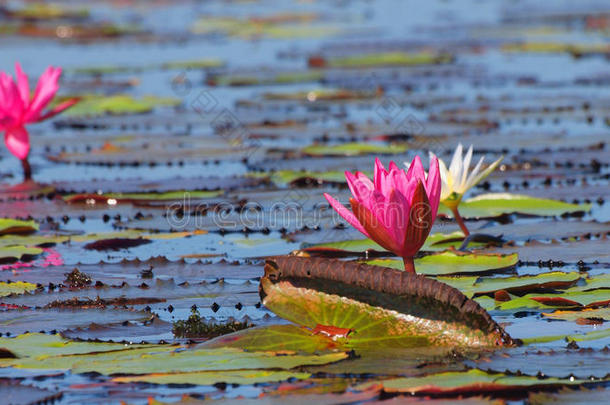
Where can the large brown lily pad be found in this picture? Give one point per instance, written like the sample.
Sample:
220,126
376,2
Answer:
375,305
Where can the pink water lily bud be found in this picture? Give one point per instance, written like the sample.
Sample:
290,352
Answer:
396,209
19,108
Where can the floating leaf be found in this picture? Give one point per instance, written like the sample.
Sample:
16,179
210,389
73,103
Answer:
434,242
568,298
594,335
39,346
113,198
116,244
494,204
353,149
586,316
280,26
193,64
276,338
8,225
557,47
568,396
386,59
473,286
118,104
452,262
285,177
468,383
523,284
326,95
384,307
44,11
39,240
161,359
253,79
211,377
16,288
8,253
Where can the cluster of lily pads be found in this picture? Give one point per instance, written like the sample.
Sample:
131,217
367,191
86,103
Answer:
396,210
375,314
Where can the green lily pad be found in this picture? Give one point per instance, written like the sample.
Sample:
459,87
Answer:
174,65
131,197
276,338
554,280
468,382
494,204
44,11
10,241
284,27
257,80
83,358
575,297
326,95
453,262
284,177
593,315
18,287
103,69
18,253
370,359
39,346
193,64
374,306
568,396
389,59
584,337
241,377
8,225
435,242
117,105
353,149
556,47
473,286
598,281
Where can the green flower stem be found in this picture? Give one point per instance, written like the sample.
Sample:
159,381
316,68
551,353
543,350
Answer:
409,264
460,220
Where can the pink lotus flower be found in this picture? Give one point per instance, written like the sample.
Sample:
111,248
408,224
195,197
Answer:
396,209
17,108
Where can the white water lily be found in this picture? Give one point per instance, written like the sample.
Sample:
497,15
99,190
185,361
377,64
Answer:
458,179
